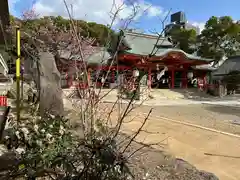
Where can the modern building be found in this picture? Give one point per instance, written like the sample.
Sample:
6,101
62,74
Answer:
179,20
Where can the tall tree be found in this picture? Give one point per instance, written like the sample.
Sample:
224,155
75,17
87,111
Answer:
183,38
219,38
87,29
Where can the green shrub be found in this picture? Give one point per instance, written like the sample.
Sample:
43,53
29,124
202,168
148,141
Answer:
49,149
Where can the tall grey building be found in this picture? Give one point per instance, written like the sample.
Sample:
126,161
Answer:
179,19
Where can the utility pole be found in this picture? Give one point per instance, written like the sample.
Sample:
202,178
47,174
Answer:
18,70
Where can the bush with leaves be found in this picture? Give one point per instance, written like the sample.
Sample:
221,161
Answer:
46,147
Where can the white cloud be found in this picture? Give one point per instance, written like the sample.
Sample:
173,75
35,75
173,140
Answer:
97,11
200,25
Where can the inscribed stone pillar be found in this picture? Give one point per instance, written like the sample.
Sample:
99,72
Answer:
50,85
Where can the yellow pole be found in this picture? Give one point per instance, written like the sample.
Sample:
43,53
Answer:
18,72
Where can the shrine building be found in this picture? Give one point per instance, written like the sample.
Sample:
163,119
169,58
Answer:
166,66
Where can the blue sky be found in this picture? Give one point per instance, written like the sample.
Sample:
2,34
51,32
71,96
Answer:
201,10
197,12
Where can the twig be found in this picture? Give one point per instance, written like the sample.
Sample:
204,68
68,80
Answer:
136,134
160,35
146,145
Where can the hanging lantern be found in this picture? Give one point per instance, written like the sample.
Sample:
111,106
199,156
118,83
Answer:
135,73
190,75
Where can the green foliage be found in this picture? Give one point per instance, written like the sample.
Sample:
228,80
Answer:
99,31
220,37
87,29
43,141
12,19
186,39
49,149
60,22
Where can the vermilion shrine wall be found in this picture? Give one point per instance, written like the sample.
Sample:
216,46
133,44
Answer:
70,81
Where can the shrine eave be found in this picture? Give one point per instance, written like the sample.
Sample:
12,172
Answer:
170,55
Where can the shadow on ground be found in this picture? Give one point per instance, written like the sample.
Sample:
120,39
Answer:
224,109
194,94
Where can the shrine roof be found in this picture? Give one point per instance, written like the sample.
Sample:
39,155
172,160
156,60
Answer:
99,56
207,67
230,64
162,52
143,44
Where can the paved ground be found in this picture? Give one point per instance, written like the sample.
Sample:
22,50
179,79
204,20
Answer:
165,97
206,150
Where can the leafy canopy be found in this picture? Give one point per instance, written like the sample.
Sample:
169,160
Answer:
221,37
88,29
183,38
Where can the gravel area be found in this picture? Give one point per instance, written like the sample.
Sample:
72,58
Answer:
152,164
219,117
209,151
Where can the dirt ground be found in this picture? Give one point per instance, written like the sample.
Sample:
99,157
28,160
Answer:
209,151
212,116
150,163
